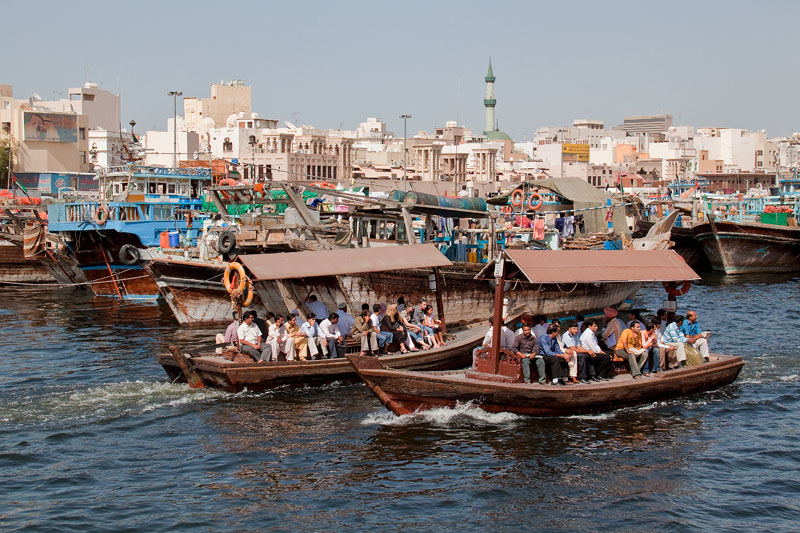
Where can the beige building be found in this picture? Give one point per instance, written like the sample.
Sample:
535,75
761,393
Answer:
100,106
204,114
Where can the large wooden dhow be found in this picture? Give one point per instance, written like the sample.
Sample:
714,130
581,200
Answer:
495,384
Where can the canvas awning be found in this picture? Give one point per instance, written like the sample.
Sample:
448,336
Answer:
294,265
592,266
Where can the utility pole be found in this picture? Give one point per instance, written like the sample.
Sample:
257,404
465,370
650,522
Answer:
405,150
175,95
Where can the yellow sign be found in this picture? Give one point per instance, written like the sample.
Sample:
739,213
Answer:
575,152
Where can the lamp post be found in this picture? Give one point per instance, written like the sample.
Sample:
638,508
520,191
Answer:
175,95
405,150
252,143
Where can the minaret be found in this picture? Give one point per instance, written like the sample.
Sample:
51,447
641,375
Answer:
489,101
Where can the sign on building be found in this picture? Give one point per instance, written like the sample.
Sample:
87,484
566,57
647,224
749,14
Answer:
575,152
50,127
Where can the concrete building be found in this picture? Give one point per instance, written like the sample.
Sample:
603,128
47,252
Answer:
101,107
646,124
159,146
738,149
52,146
203,114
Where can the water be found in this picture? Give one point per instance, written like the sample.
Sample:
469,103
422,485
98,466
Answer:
93,437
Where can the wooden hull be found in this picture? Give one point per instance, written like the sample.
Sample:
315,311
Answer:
195,294
685,244
747,247
405,392
219,373
16,268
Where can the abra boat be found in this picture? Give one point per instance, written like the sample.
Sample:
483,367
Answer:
496,382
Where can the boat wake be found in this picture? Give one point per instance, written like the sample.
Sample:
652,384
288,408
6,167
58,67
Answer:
103,402
443,417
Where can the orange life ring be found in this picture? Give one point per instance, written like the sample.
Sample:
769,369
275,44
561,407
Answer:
516,198
673,289
538,204
226,279
323,185
228,182
250,293
506,209
101,215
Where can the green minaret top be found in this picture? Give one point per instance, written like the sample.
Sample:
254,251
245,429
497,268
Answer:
490,74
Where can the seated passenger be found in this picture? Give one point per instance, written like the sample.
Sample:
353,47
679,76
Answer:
629,347
365,332
695,337
675,339
391,322
525,346
230,337
652,362
598,363
333,337
250,339
315,341
385,338
279,339
571,343
553,356
414,331
299,340
435,325
507,339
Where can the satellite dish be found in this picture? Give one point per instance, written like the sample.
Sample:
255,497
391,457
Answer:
36,96
289,125
195,156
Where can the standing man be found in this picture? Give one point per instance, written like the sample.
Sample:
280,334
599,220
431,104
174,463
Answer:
250,339
333,337
525,347
599,363
346,320
695,337
553,356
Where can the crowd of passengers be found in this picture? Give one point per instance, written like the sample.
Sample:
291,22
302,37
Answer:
580,355
324,335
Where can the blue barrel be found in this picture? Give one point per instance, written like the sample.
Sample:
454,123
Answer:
174,239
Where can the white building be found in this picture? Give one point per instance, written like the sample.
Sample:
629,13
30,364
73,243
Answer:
160,147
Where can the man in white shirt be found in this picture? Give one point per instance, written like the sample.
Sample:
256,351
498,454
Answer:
540,327
279,341
384,337
571,343
598,365
316,342
346,320
507,339
315,306
333,337
250,339
613,329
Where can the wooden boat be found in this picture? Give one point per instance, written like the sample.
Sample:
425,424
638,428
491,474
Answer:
215,371
749,247
404,392
495,384
684,243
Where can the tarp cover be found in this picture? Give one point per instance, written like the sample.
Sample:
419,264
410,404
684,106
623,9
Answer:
584,195
294,265
596,266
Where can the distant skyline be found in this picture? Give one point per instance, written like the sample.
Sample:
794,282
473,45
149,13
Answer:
331,65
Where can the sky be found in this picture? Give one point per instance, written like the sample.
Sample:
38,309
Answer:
333,64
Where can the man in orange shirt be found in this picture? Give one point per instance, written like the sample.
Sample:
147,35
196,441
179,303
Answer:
629,347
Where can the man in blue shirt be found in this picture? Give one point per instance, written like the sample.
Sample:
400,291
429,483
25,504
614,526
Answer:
553,355
695,337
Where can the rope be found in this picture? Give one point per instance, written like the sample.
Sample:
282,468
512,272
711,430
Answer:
58,285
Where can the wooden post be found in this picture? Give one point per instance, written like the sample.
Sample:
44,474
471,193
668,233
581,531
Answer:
497,319
439,301
409,226
110,272
187,367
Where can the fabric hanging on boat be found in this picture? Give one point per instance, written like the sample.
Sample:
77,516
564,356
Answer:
569,228
550,220
34,237
560,224
538,229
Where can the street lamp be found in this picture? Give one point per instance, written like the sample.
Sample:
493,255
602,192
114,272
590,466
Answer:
175,95
252,143
405,139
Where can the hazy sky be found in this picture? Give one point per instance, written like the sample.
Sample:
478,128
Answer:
708,63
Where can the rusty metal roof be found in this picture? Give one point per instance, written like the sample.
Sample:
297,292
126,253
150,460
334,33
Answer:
293,265
595,266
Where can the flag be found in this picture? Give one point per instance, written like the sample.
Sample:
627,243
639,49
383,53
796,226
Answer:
619,183
19,184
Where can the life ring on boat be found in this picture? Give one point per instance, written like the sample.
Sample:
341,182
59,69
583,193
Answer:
250,291
506,209
129,255
226,242
674,289
230,282
101,216
323,185
516,198
227,182
539,201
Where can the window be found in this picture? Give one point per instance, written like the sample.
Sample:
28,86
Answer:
88,97
82,133
6,127
83,158
171,188
151,188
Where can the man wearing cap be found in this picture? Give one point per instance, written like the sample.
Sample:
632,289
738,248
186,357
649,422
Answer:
346,321
613,329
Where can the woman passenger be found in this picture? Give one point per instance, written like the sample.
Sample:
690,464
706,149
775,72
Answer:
435,325
391,322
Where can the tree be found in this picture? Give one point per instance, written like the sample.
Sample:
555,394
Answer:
8,153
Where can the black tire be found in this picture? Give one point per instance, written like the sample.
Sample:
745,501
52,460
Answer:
129,255
226,242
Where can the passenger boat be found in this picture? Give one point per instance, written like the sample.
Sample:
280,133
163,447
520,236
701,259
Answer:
215,371
495,384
